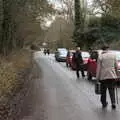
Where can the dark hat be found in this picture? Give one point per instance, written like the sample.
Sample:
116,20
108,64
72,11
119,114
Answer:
105,47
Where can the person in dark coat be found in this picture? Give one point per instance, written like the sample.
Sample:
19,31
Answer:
78,61
48,51
45,51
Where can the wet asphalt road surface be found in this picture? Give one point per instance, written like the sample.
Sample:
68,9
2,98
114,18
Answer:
64,97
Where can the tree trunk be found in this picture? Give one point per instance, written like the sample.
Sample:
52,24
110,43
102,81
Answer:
77,14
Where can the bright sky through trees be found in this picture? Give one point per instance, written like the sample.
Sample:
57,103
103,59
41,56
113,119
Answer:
57,5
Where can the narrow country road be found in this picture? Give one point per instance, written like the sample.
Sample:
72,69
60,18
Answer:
64,97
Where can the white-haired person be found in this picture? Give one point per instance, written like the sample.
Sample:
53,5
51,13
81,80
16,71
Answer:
107,74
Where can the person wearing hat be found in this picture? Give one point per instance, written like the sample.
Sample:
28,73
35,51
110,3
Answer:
106,74
78,60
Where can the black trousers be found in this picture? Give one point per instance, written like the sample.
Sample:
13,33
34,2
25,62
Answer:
110,85
80,68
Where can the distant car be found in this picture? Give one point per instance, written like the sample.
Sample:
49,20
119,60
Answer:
61,54
92,63
85,56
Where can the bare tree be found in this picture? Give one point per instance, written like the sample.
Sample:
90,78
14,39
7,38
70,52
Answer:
15,16
106,7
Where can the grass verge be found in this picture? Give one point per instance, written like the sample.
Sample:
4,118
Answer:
13,71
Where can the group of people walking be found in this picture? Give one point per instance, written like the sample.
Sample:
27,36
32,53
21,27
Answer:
106,73
46,51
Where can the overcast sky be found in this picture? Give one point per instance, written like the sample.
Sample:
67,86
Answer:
57,5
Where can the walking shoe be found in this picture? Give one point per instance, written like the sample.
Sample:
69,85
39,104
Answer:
104,105
113,107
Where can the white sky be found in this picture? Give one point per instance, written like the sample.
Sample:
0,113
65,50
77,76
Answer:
57,5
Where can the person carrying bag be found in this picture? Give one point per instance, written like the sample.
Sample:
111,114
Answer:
107,75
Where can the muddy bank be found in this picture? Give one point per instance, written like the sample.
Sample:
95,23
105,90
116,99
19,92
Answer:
20,103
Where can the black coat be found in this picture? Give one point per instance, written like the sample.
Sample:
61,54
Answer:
78,60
